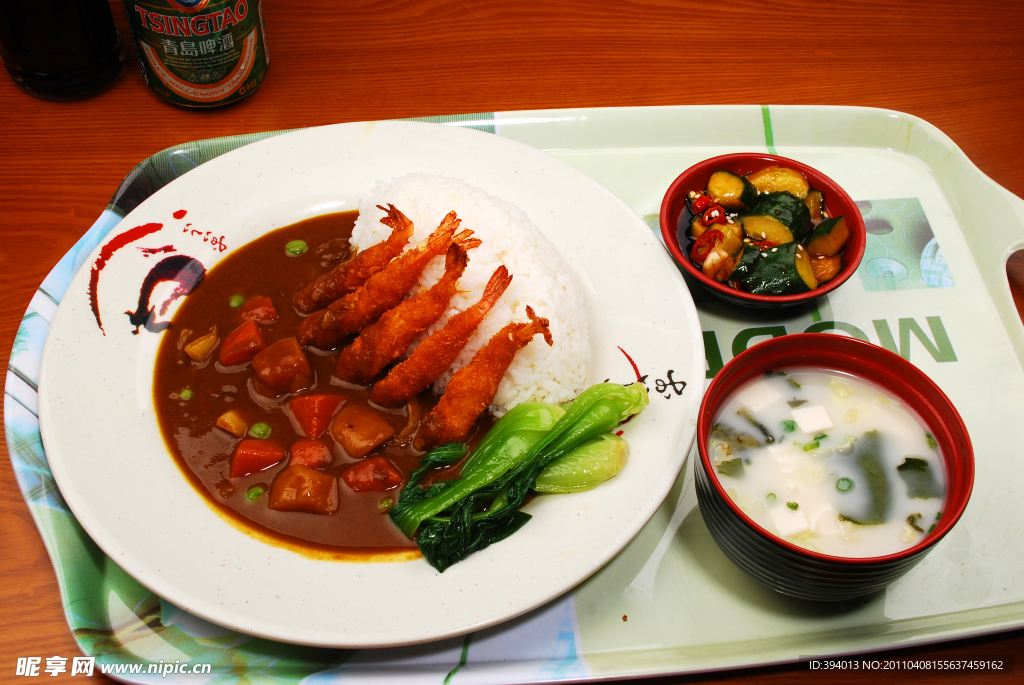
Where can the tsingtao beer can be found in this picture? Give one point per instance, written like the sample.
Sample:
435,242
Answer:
200,53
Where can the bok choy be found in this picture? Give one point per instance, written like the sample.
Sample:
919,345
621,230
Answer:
458,517
586,467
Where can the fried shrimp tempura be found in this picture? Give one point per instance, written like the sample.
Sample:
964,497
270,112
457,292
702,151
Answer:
351,274
473,387
385,341
435,354
382,291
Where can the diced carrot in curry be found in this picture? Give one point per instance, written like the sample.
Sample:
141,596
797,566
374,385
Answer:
373,475
255,455
300,488
311,453
313,412
283,367
260,309
360,429
233,423
242,344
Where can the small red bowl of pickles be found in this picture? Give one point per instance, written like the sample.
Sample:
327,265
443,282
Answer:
761,230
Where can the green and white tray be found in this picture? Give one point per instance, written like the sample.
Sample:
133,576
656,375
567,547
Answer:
931,287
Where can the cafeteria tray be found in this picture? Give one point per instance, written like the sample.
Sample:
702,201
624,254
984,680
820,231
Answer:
931,287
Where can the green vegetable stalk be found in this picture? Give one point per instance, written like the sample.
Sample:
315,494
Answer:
481,507
586,467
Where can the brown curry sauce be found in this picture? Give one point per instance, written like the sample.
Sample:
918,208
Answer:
203,452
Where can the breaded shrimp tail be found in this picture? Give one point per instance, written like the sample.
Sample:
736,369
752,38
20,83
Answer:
382,291
439,350
351,274
466,239
388,339
473,387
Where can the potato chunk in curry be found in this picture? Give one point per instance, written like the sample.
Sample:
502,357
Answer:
360,429
300,488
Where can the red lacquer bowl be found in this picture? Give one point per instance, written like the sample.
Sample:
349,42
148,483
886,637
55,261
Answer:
781,565
696,178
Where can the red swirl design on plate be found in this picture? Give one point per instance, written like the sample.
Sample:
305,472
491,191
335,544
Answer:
107,251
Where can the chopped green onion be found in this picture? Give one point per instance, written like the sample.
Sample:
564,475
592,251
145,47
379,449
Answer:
185,394
793,505
236,301
793,383
813,445
938,516
821,436
295,248
260,430
384,506
770,497
789,426
255,492
931,441
844,485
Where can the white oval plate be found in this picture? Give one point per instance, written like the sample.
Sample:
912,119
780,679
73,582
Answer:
113,469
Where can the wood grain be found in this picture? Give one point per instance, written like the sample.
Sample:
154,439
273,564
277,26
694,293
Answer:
958,65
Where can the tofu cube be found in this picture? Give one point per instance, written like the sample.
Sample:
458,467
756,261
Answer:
759,396
821,517
787,521
785,457
812,419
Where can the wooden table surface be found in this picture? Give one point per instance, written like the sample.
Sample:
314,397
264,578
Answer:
958,65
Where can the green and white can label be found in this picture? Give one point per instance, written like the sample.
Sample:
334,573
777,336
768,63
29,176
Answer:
200,53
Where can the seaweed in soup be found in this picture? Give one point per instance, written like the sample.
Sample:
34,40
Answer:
919,479
869,459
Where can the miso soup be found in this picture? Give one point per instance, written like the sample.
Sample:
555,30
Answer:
829,462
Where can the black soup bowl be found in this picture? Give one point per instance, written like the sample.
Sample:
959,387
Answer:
782,565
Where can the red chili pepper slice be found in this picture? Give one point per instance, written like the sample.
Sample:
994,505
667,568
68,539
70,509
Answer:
704,244
700,204
714,215
763,244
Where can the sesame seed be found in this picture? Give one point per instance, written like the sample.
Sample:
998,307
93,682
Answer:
775,249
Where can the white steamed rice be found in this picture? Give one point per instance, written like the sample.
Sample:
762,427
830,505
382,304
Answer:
540,278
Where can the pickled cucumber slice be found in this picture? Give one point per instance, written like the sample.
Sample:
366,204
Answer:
829,238
815,203
766,228
788,209
775,179
733,192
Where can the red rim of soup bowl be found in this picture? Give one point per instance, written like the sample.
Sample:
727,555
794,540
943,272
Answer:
838,202
869,362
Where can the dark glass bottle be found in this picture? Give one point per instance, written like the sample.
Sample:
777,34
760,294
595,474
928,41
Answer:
60,49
